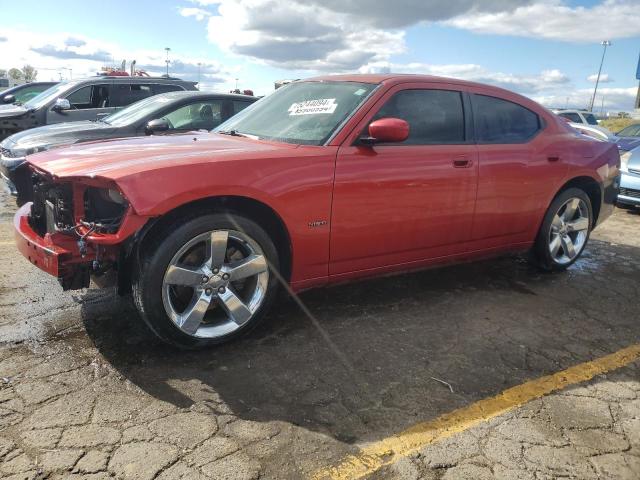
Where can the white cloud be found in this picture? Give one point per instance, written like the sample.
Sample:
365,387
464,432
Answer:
553,19
615,99
197,13
299,36
326,35
205,3
604,78
58,56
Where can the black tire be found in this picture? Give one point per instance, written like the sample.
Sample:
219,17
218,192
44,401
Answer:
155,255
541,253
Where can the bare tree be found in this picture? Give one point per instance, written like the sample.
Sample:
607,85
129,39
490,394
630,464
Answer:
3,73
29,73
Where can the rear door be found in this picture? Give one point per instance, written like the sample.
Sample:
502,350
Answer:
87,102
517,164
396,204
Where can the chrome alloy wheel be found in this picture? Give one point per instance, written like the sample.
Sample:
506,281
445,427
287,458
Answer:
215,283
569,230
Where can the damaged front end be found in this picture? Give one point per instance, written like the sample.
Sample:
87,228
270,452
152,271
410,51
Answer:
75,229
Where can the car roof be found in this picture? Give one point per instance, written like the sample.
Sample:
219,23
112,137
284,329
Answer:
129,79
393,78
572,110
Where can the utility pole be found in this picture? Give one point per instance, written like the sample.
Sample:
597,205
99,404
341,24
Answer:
605,44
167,61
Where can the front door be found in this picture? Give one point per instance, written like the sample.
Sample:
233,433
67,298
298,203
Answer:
400,203
86,102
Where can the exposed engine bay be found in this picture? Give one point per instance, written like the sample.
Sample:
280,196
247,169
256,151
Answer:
74,214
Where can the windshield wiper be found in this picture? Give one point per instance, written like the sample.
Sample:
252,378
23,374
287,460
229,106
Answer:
233,133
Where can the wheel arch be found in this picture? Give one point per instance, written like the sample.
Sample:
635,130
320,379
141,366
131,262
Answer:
255,210
591,187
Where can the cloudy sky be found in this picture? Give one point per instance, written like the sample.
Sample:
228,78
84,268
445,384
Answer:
547,49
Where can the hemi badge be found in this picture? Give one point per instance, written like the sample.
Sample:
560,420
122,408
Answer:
317,223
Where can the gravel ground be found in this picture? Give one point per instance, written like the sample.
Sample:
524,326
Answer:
86,391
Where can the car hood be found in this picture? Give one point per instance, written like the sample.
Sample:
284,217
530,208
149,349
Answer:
628,143
56,134
7,111
116,159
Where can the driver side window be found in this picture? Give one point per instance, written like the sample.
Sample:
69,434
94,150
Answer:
91,96
434,116
196,116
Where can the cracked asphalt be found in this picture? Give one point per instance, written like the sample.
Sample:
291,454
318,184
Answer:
86,391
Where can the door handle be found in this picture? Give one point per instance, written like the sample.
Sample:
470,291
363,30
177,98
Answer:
553,158
462,162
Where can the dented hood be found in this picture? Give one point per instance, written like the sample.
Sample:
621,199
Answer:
115,159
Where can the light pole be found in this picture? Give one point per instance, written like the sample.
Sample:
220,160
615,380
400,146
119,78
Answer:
167,61
199,65
605,44
70,72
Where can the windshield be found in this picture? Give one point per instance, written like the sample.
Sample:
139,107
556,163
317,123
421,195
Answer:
137,111
590,118
304,113
48,95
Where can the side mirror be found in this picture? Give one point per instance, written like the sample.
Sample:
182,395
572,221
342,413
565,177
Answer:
9,99
156,126
386,130
61,104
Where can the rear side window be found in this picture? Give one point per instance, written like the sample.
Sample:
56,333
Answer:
164,88
434,116
126,94
572,117
502,121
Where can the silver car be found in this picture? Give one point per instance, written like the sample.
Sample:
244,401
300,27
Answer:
629,195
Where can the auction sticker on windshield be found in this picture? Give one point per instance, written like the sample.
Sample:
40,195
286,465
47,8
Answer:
313,107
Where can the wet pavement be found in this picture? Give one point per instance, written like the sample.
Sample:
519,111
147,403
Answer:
87,392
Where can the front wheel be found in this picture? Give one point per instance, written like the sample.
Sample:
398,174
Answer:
210,280
565,230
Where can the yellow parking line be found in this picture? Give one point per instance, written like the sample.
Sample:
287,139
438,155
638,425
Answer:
4,244
389,450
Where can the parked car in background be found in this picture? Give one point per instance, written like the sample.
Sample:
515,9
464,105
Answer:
594,132
172,112
84,99
582,116
629,137
25,92
325,180
629,196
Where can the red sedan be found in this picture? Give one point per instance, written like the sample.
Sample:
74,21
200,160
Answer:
325,180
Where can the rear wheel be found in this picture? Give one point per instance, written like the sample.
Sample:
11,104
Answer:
208,281
565,230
